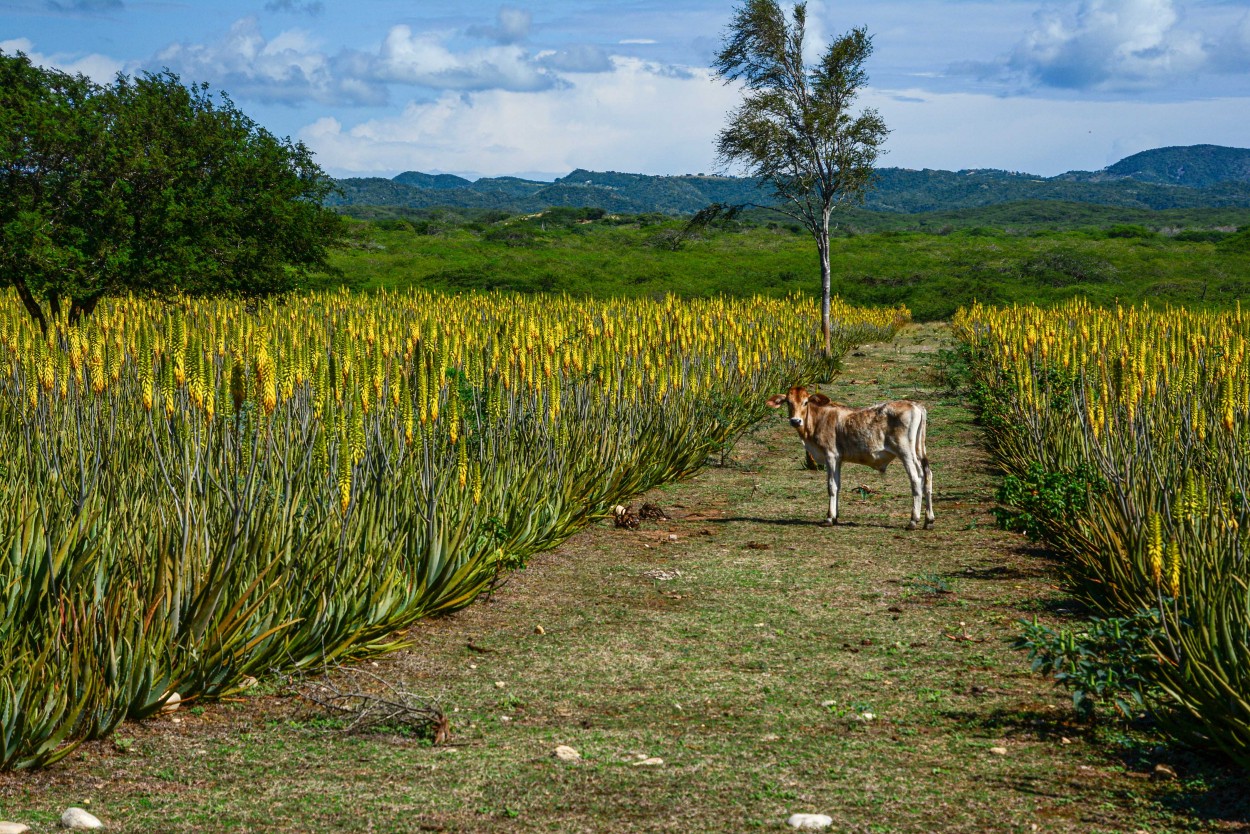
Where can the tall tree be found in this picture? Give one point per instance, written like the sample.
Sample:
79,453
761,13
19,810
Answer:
149,186
794,130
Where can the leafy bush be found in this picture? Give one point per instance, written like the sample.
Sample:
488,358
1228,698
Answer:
1106,660
1041,501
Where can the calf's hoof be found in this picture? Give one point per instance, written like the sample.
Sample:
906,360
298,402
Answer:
829,522
912,525
928,523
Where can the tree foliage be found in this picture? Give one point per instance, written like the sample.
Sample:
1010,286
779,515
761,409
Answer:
794,130
147,185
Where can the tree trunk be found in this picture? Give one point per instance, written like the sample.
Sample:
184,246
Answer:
826,325
80,307
32,305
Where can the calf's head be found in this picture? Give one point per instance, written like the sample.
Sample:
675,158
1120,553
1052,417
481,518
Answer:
799,403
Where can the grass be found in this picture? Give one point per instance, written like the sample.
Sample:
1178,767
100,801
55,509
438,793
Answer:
739,642
932,273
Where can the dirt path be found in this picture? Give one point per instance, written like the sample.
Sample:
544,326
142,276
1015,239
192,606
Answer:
774,667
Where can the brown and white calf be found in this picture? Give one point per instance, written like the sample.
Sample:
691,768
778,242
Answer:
872,436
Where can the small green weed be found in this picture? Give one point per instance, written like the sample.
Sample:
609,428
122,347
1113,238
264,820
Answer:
929,584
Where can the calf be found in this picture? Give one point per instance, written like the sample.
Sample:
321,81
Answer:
872,436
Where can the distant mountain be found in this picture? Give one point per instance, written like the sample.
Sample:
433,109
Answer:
1195,166
436,181
1198,176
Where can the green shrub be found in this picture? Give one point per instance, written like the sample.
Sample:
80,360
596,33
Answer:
1103,661
1040,501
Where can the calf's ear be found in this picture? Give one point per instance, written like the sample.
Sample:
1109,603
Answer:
775,402
818,399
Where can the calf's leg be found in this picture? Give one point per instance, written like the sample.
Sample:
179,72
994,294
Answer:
916,477
928,492
833,468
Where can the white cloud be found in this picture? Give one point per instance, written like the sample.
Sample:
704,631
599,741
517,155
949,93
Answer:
99,68
634,118
287,68
1110,45
293,67
423,59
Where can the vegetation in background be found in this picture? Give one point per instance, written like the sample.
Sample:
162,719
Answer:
794,132
149,186
1192,258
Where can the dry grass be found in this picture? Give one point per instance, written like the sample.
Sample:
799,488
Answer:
739,642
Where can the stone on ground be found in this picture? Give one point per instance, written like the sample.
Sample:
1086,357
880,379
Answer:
79,819
813,822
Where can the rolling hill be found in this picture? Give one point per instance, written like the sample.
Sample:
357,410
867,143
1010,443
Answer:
1196,176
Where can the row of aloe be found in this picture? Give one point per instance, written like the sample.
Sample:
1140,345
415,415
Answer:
1149,411
194,494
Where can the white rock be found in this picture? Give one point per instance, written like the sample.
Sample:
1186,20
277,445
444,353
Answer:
171,703
567,754
77,818
999,751
13,828
654,761
810,821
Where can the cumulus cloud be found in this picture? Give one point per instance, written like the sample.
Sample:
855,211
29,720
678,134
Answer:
285,69
634,118
424,59
292,66
1110,46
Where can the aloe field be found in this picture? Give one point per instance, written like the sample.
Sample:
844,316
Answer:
197,493
1125,434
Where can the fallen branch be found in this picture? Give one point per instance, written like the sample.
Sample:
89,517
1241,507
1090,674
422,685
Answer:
368,710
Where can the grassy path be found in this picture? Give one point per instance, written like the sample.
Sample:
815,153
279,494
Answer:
739,642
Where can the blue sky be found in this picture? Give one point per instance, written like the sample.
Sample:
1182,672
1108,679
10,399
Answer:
376,87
